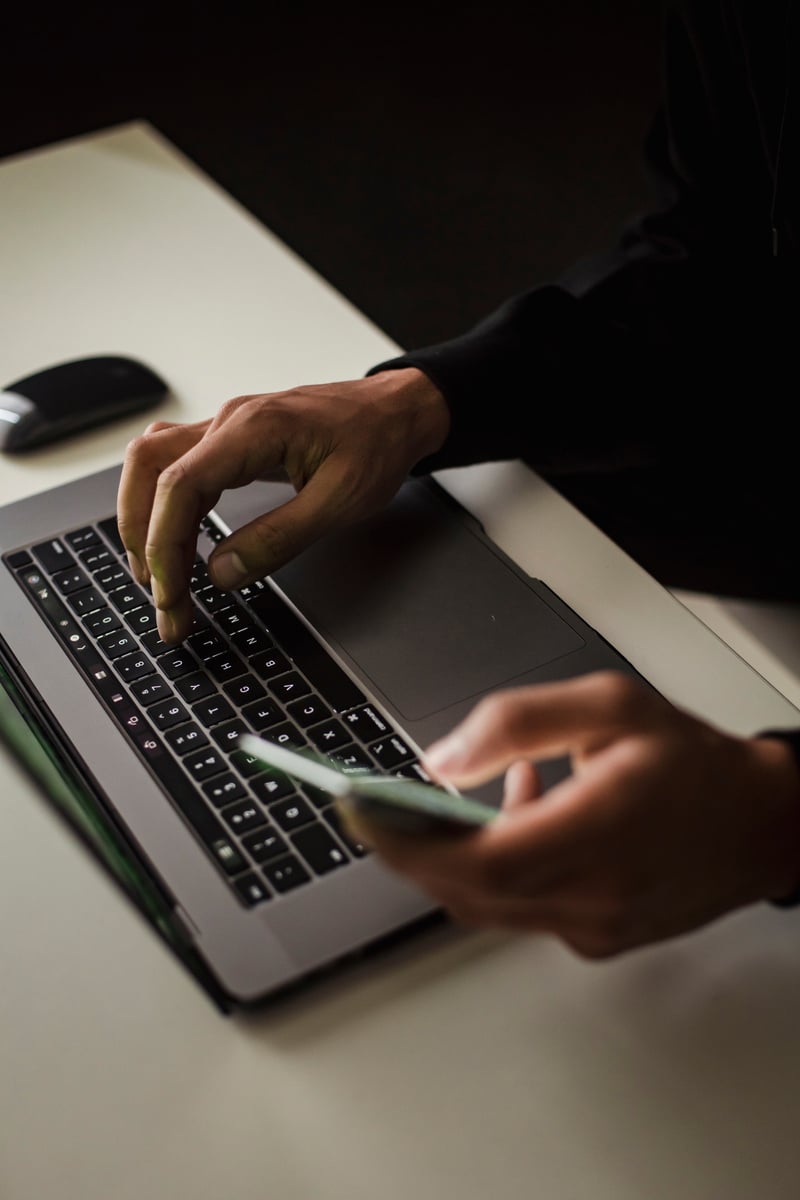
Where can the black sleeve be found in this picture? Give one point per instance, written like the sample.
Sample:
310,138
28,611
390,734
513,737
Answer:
635,357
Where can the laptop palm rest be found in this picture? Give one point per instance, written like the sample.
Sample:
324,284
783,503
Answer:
429,611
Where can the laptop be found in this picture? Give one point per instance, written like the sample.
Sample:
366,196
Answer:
367,647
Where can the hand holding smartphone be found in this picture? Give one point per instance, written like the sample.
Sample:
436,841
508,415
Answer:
401,804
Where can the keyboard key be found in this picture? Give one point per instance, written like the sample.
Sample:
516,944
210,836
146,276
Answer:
133,666
231,619
102,621
250,889
206,763
228,733
79,539
86,601
353,758
251,641
390,752
286,873
151,691
247,765
111,531
243,817
128,597
177,663
329,735
366,723
53,556
152,642
186,738
117,643
224,788
244,690
262,714
19,560
319,848
142,620
71,581
112,577
271,786
291,813
228,856
289,687
213,598
164,716
269,664
96,557
213,710
265,844
308,711
206,643
225,666
196,686
285,734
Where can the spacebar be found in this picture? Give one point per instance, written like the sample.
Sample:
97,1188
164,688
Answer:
323,673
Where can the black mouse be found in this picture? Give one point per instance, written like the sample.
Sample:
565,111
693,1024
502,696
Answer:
75,395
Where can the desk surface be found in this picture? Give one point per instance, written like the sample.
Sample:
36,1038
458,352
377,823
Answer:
457,1064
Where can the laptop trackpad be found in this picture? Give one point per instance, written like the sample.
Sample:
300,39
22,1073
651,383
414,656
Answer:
423,606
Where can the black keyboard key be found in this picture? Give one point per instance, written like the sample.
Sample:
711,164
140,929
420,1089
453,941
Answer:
291,813
231,619
133,666
186,738
244,690
391,752
117,643
290,686
366,724
265,844
152,641
102,621
112,577
329,735
415,772
177,664
213,710
319,848
285,734
164,716
151,691
71,581
286,873
226,666
196,686
246,764
204,764
243,817
142,620
270,664
213,598
251,641
53,556
224,788
94,558
262,714
250,889
356,848
325,675
111,531
86,601
199,577
128,597
272,785
353,759
79,539
228,733
308,711
19,560
206,643
228,856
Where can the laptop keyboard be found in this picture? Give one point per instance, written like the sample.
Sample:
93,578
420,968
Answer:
248,665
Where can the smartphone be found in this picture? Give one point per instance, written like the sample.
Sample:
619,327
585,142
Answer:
400,803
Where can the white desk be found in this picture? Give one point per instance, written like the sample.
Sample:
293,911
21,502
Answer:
459,1065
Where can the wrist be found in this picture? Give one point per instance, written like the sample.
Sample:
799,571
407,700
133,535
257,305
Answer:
420,407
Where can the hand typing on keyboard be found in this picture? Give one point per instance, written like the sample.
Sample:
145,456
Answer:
345,447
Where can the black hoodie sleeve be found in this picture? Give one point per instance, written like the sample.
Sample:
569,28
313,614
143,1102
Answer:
633,358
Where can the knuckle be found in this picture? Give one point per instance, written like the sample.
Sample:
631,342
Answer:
156,427
140,448
233,406
174,475
620,694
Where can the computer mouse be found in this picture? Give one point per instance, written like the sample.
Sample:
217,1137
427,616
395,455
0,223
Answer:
69,396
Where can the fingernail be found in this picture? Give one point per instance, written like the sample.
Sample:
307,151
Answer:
228,570
449,754
137,570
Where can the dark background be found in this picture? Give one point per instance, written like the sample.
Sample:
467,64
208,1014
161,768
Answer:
428,160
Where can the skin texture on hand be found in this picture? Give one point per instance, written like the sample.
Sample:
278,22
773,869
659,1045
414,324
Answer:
345,447
666,823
